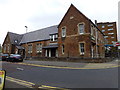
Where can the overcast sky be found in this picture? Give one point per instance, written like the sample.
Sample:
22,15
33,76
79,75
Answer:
37,14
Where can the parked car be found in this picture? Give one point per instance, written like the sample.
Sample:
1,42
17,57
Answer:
4,57
15,57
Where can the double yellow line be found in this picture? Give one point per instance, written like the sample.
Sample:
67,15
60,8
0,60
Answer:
21,82
32,85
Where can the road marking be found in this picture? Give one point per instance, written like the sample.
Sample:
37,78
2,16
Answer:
32,85
105,67
21,82
51,87
20,69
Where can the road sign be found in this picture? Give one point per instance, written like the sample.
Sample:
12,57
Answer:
2,79
117,44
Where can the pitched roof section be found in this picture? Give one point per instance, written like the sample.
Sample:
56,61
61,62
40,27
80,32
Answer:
72,6
39,35
15,38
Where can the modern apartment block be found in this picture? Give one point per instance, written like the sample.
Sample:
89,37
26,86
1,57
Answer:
75,36
110,31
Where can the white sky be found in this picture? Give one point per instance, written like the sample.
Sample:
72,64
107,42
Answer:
37,14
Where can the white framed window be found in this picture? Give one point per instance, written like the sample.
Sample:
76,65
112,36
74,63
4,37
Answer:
110,29
81,28
110,33
103,26
103,30
105,36
63,49
39,48
82,48
8,48
110,25
112,37
5,48
53,37
63,32
30,48
92,29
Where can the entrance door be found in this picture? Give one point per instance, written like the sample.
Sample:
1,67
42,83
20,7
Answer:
53,52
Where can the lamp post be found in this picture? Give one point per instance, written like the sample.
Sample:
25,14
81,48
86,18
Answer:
26,28
26,42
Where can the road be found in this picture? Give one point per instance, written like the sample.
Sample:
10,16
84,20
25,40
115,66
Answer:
62,77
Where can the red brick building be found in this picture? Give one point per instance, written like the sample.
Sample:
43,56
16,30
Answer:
110,31
75,36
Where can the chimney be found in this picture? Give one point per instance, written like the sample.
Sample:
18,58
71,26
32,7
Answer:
96,22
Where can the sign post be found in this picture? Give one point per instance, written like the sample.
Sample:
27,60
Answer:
2,79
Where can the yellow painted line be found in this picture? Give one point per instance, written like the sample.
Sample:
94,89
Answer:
21,82
30,84
105,67
51,87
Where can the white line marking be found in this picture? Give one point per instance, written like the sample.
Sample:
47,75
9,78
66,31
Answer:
20,69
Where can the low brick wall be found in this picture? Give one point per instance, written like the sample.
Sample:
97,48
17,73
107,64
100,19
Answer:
85,60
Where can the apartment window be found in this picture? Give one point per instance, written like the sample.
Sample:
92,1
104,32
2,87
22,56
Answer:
29,48
105,36
81,28
63,49
103,30
39,48
103,26
110,29
110,33
82,50
63,32
110,25
112,37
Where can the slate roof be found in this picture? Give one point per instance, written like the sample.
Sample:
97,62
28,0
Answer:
15,38
39,35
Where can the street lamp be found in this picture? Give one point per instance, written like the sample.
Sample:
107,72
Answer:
26,28
26,43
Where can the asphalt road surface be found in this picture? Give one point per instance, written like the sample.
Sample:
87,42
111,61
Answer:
63,78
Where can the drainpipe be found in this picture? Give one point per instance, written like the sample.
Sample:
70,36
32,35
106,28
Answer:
96,43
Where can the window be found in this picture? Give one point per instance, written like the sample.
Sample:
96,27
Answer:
105,36
63,32
103,30
103,26
110,25
5,48
56,37
53,37
112,37
92,30
39,48
63,47
82,51
110,33
8,49
29,48
110,29
81,28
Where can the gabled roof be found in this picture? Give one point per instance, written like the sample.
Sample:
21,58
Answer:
72,6
15,38
39,35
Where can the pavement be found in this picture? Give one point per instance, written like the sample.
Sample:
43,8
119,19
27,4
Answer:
73,65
